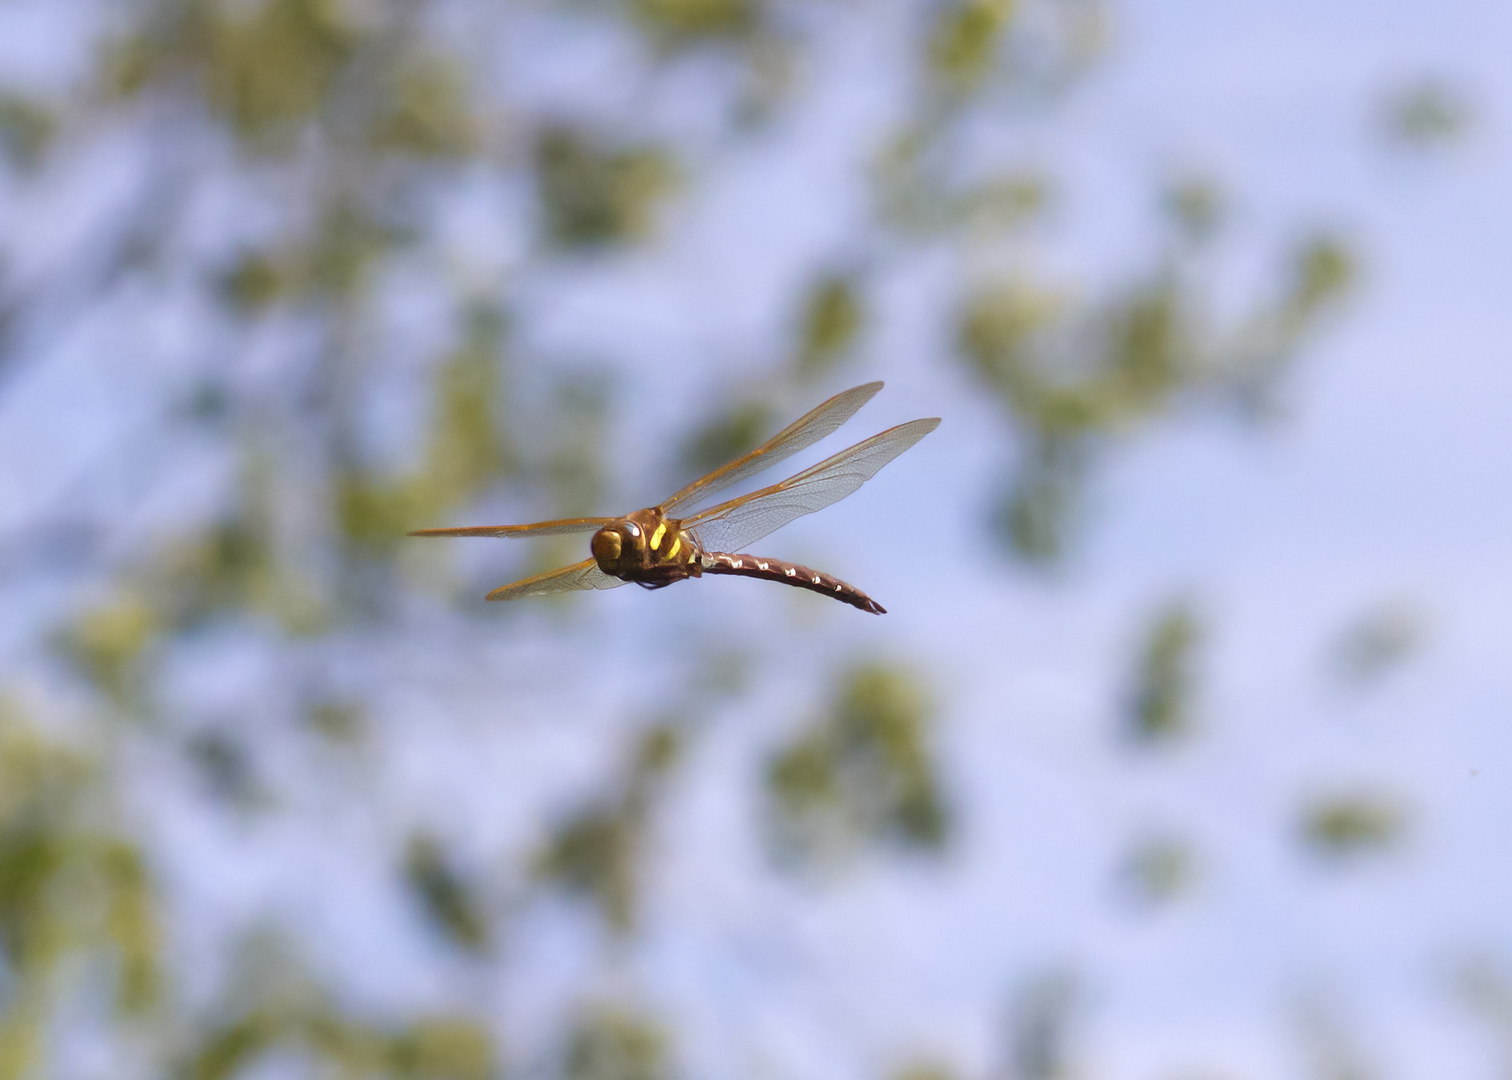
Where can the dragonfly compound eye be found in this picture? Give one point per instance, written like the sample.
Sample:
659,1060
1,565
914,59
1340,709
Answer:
606,547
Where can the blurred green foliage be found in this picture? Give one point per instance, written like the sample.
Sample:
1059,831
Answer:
864,772
107,643
1073,376
342,722
917,194
926,1070
1481,983
230,567
1161,706
264,66
831,320
306,1025
1378,642
226,766
965,40
429,114
1196,206
1158,869
71,885
273,67
687,21
332,261
466,450
594,853
612,1044
449,900
1040,505
26,131
570,455
592,194
1040,1028
1143,353
1324,269
1353,823
269,1012
1335,1052
1426,113
727,436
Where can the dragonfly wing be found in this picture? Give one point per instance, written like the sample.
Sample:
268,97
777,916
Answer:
583,575
733,525
801,433
539,528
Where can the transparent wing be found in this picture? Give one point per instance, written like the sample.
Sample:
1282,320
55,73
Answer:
539,528
803,432
583,575
732,525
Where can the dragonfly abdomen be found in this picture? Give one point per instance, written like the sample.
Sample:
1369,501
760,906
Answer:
719,562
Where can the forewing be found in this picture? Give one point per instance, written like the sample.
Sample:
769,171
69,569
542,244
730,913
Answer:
539,528
583,575
801,433
731,526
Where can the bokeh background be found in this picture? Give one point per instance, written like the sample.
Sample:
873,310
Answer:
1183,753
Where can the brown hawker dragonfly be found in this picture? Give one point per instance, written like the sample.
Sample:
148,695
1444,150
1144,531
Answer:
654,549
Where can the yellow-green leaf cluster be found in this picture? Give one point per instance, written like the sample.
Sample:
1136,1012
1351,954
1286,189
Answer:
592,194
1426,113
430,1048
595,852
612,1044
687,21
1380,640
465,450
727,436
26,130
70,886
265,65
831,319
428,114
108,641
863,773
1158,870
448,898
1161,705
965,40
1353,823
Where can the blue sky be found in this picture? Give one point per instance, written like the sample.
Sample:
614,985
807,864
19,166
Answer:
1385,483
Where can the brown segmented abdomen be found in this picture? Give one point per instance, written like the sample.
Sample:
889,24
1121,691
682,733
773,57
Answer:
719,562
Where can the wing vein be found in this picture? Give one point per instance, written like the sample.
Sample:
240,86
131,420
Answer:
732,525
537,528
800,434
583,575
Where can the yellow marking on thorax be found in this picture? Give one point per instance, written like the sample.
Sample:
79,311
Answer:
656,537
672,551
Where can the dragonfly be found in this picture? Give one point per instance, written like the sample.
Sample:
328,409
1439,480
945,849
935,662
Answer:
655,547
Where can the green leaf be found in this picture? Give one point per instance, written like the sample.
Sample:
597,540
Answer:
594,195
727,436
964,43
864,773
610,1044
448,899
831,320
26,131
1353,823
1161,706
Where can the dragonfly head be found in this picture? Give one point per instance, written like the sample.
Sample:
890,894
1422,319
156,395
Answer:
619,546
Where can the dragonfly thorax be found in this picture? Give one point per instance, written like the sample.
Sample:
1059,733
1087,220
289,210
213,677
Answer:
645,546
